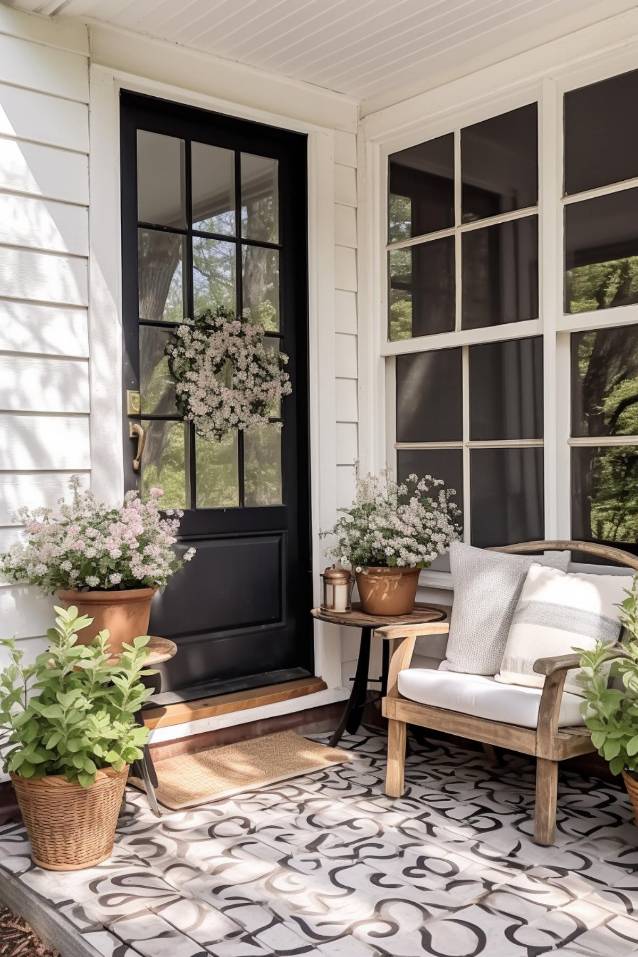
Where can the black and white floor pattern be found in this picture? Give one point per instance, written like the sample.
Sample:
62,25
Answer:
327,866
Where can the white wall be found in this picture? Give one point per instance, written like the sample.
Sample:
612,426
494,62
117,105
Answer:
44,244
47,387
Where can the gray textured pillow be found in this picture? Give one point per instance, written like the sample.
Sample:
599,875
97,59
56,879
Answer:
487,586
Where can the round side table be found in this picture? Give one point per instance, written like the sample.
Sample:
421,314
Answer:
356,618
158,651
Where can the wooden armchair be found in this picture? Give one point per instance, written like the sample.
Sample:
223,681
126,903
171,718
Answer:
547,742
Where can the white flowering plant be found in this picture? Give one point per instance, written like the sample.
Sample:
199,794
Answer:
392,524
226,376
85,544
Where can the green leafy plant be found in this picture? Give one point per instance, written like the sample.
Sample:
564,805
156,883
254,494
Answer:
72,712
611,713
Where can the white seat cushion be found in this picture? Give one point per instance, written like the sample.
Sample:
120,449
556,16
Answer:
483,697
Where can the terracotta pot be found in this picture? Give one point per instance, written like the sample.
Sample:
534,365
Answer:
70,827
387,591
631,783
126,614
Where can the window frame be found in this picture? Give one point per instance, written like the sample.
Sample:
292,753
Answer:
378,362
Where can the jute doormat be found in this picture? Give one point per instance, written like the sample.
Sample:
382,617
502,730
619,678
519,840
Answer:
191,779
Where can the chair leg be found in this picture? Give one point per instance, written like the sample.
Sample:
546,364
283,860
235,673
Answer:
546,795
394,779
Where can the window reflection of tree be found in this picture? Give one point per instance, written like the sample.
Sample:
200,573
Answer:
160,298
605,403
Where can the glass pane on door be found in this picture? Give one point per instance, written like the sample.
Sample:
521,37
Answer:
160,180
213,186
259,198
164,461
217,472
213,274
263,464
160,258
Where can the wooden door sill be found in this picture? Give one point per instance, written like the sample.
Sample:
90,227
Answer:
184,711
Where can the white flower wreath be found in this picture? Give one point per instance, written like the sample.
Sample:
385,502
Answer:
226,378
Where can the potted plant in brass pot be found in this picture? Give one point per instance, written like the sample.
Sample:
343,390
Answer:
68,734
609,678
106,560
390,532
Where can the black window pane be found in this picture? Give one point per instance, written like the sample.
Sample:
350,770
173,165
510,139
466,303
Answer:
499,164
160,180
429,397
506,496
601,252
604,382
421,189
157,385
421,289
213,188
500,273
160,277
605,495
446,464
506,390
601,136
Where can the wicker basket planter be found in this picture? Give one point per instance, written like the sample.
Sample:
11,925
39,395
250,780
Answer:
631,783
70,827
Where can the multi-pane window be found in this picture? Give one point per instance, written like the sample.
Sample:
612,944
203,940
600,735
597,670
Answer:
465,255
473,416
208,237
463,233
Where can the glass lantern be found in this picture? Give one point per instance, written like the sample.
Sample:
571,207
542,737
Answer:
337,584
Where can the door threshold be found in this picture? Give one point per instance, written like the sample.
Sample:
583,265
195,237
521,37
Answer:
181,712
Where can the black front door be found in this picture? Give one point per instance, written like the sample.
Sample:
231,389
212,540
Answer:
214,213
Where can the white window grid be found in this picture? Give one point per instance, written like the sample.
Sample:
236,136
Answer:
553,324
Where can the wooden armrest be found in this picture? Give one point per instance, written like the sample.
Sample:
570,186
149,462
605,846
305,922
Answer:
413,631
557,663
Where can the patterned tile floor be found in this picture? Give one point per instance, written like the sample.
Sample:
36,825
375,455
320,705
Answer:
327,866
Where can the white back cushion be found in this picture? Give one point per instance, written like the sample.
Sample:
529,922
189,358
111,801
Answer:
556,613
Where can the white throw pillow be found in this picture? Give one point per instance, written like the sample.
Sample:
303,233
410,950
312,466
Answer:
556,613
487,586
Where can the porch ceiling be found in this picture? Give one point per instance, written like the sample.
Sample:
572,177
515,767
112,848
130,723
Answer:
374,51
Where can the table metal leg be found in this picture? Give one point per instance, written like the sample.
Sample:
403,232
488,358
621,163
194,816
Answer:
149,777
353,712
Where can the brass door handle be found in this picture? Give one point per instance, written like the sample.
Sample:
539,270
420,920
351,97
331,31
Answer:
135,429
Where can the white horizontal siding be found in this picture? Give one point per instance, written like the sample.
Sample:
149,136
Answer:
42,277
347,405
345,485
43,224
345,226
345,148
40,118
33,490
45,171
346,268
14,599
47,330
60,33
346,311
43,442
346,436
42,68
346,356
345,185
43,384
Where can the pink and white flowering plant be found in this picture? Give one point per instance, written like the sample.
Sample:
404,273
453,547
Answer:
85,544
226,376
396,524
